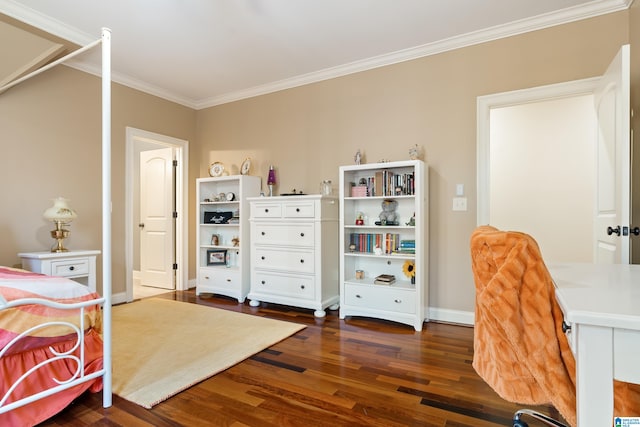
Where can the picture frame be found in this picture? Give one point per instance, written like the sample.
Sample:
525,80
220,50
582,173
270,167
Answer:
216,256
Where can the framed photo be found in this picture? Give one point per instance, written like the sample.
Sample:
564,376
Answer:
216,256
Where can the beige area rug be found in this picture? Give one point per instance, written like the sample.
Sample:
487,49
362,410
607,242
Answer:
161,347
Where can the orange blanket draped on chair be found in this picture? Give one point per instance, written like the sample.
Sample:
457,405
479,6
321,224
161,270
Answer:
520,349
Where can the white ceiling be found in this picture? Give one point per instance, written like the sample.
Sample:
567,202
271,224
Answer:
201,53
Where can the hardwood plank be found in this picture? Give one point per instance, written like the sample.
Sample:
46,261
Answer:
352,372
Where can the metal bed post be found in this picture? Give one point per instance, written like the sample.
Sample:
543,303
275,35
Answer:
106,214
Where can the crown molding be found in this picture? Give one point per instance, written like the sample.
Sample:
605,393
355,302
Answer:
564,16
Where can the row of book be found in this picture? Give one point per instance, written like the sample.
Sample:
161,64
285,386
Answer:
388,243
368,242
388,183
407,246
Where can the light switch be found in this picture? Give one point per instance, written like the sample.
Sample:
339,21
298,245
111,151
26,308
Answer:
459,203
459,189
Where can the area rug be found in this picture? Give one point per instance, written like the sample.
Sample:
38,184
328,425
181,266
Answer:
161,347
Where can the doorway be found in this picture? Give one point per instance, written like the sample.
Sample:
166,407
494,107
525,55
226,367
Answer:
536,173
139,142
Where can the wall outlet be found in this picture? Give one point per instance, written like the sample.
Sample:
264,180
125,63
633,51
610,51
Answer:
459,203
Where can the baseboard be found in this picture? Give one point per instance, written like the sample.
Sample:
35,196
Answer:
435,314
451,316
119,298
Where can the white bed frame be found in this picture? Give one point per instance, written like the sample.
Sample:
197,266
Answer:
105,301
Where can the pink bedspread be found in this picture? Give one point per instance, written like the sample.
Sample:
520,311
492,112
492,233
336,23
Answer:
33,349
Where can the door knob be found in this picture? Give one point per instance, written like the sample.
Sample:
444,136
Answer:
141,225
611,230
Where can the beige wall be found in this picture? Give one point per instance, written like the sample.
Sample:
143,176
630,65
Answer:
308,132
50,132
49,127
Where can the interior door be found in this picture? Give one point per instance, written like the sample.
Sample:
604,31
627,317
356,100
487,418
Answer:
156,218
612,104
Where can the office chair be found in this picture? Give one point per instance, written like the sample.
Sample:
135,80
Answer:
520,349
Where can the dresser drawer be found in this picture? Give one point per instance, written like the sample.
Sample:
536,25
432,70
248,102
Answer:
299,210
283,234
266,210
295,261
380,297
70,267
219,278
284,285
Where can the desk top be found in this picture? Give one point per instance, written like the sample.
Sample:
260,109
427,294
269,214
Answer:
600,295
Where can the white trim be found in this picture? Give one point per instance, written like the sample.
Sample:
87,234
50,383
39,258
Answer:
451,316
505,99
564,16
182,205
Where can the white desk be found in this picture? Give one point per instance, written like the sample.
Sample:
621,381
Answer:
602,305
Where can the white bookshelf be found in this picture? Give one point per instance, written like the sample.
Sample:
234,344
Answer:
403,301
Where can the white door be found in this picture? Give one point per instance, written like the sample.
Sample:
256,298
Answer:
156,218
612,104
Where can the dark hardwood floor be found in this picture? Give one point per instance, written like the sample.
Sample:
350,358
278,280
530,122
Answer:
352,372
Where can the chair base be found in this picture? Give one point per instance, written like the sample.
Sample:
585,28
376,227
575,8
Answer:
517,422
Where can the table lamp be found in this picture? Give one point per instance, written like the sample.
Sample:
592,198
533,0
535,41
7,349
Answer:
271,179
61,214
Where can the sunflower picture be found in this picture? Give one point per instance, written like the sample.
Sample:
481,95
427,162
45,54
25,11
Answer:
409,270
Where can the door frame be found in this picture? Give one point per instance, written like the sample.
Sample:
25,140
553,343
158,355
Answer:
182,204
507,99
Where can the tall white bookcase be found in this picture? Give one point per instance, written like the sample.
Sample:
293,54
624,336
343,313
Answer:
363,188
223,248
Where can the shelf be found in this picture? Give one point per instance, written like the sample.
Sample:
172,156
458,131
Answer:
399,284
225,202
229,248
230,279
403,196
381,227
401,301
381,256
222,267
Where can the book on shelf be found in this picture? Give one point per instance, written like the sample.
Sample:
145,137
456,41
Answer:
367,242
385,279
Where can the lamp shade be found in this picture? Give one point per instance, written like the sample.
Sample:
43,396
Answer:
60,211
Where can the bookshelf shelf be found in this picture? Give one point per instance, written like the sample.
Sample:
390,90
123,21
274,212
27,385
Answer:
372,250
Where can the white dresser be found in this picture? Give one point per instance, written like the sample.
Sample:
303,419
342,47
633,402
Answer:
294,251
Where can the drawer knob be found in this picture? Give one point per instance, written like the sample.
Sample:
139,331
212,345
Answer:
301,234
398,301
297,209
301,286
228,280
266,211
72,268
263,233
262,257
263,282
206,277
358,296
301,261
565,327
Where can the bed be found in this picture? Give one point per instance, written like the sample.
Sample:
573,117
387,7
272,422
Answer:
55,334
50,341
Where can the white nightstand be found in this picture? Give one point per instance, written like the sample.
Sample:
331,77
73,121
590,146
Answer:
76,265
